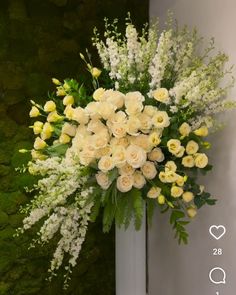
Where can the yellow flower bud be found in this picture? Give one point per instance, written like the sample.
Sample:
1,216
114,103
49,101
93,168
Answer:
56,81
37,127
34,112
96,72
192,212
54,117
64,138
161,200
36,155
47,131
39,143
23,151
49,106
66,86
68,99
202,131
69,112
187,196
60,91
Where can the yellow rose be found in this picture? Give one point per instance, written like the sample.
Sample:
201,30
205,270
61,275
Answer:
192,212
34,112
68,100
170,166
149,170
161,95
96,72
156,155
174,146
126,169
184,129
69,129
37,127
54,117
56,81
135,156
106,164
66,86
64,138
154,139
161,119
188,197
103,180
80,115
119,156
201,160
161,200
188,161
124,183
176,191
192,147
49,106
139,180
154,192
39,144
98,94
202,131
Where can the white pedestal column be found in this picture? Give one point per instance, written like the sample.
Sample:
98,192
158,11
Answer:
131,261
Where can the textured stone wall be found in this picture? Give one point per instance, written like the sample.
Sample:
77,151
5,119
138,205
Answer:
41,39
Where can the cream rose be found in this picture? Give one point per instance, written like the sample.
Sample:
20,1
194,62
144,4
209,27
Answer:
92,109
188,197
150,110
149,170
115,97
201,160
192,147
119,130
180,180
139,180
103,180
174,146
133,107
154,192
188,161
176,191
98,94
105,164
126,169
184,129
192,212
106,109
80,115
145,122
69,129
87,155
154,139
142,141
156,155
135,156
133,124
95,126
124,183
134,96
161,119
119,156
99,141
162,177
180,152
161,95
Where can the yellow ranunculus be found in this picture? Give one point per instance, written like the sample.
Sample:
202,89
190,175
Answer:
64,138
96,72
98,94
68,100
37,127
191,212
176,191
188,197
56,81
54,117
49,106
184,129
161,199
39,143
202,131
34,112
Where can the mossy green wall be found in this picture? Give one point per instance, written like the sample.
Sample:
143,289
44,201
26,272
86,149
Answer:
40,39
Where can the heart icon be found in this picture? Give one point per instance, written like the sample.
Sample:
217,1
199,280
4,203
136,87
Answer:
217,231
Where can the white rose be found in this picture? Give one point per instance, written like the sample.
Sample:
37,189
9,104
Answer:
154,192
119,156
135,156
106,109
126,169
161,119
156,155
192,147
133,125
139,180
118,118
161,95
103,180
69,129
149,170
115,97
80,115
105,163
124,183
201,160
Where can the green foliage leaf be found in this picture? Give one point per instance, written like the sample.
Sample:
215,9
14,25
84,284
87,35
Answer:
57,150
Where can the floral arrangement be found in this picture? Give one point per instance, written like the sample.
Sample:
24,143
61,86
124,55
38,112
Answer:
136,141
